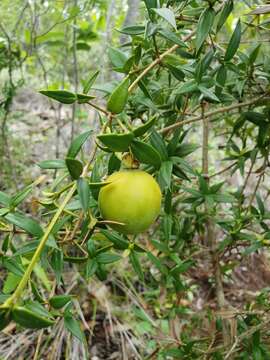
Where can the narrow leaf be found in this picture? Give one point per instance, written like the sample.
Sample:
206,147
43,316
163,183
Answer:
77,143
133,30
118,98
84,193
171,36
73,326
141,130
52,164
234,42
167,15
26,223
204,26
145,153
63,96
117,142
75,168
90,82
227,9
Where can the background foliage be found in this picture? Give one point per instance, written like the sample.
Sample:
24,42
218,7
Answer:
182,87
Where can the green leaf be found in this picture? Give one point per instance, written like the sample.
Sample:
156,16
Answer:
52,164
188,87
150,4
167,15
165,174
98,185
107,258
181,268
114,164
204,26
260,204
177,171
117,57
4,211
84,193
151,27
254,54
57,264
3,298
185,149
175,38
141,130
63,96
77,143
117,142
177,73
36,307
84,99
221,75
167,223
26,223
82,46
30,319
223,198
4,318
145,153
6,242
90,81
158,143
76,259
133,30
11,283
73,326
4,199
133,257
13,266
118,241
118,98
59,301
208,93
36,293
95,178
75,168
157,263
227,9
145,90
20,196
204,65
255,117
233,43
91,268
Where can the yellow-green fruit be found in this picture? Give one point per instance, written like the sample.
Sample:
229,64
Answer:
133,198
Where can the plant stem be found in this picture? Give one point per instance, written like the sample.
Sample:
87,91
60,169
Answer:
157,61
16,295
211,113
104,111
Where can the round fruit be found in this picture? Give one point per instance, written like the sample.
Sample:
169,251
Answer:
132,198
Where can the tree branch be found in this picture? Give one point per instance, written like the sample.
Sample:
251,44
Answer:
157,61
211,113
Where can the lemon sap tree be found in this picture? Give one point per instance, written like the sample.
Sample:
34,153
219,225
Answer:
187,78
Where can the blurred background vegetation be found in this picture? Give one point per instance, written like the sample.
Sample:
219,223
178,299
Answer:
47,44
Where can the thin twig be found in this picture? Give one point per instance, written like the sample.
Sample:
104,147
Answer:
211,113
157,61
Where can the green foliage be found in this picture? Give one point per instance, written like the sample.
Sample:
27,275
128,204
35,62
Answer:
188,102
